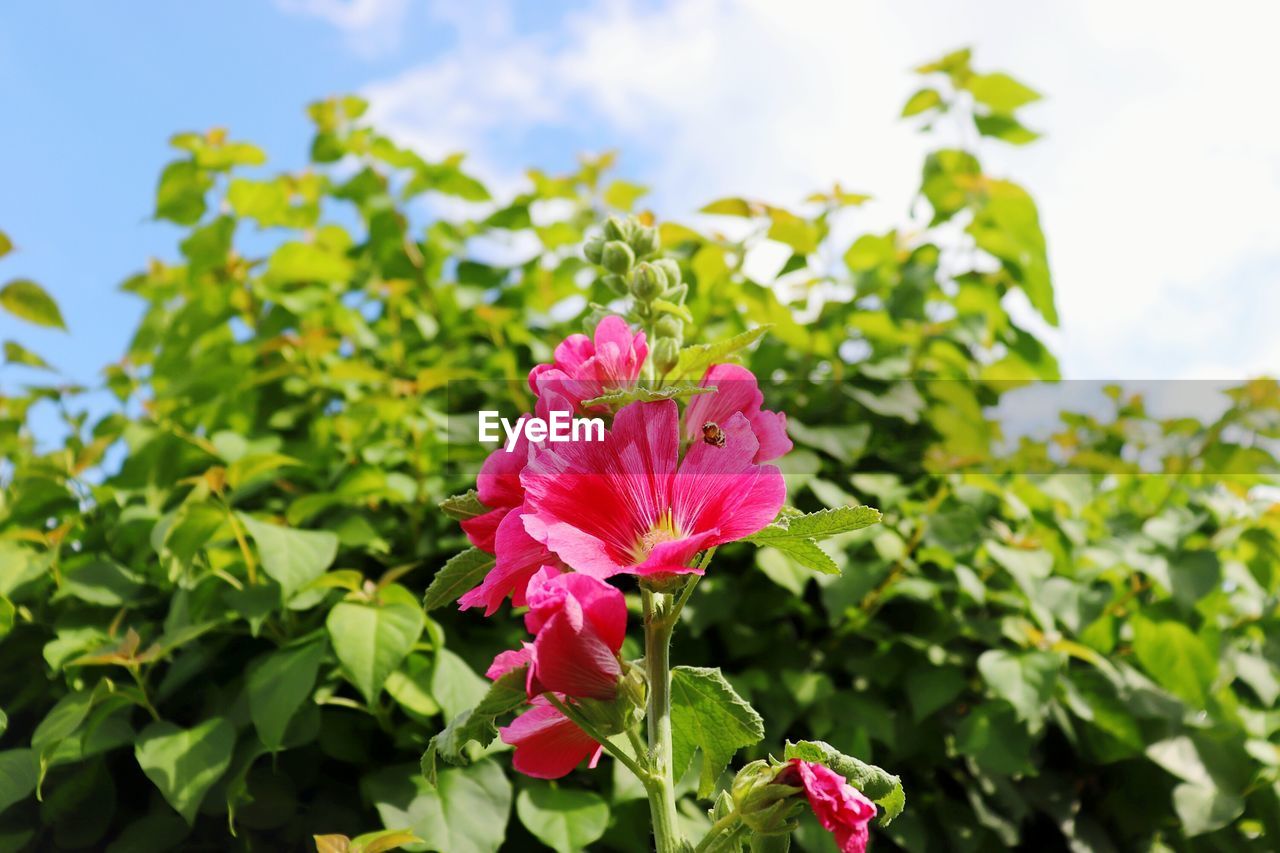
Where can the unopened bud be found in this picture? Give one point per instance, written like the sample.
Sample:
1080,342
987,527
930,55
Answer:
761,802
670,326
645,240
670,269
666,354
593,249
616,283
647,282
617,257
616,228
677,294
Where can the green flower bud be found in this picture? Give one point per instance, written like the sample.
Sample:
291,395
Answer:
671,269
617,715
677,294
617,228
670,326
593,249
616,283
666,353
762,803
647,282
778,843
617,257
645,240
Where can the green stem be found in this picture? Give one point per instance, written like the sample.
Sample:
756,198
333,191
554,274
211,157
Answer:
722,833
662,790
581,722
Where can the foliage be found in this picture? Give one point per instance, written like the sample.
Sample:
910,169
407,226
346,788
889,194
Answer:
210,588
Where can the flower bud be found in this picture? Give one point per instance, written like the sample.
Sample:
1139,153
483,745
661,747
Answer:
677,294
616,283
616,228
670,326
617,257
645,240
647,282
666,353
669,268
593,249
762,803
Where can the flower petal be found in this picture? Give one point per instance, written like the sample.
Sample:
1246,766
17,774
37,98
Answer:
573,660
547,744
519,556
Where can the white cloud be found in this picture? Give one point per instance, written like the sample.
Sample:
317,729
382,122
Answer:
371,25
1158,180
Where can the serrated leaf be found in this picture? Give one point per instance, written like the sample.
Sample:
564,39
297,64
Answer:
506,695
807,553
817,525
462,572
707,714
623,396
694,360
876,783
26,300
463,506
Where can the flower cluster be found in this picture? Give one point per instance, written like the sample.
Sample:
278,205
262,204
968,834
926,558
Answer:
653,498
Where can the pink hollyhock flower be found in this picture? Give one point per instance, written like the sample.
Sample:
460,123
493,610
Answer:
500,531
629,504
840,808
579,623
584,368
548,744
737,391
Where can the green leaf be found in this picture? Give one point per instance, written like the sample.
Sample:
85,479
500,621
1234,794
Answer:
1005,128
103,582
185,763
180,194
466,812
279,685
297,262
1000,92
694,360
463,506
293,558
16,353
623,396
504,696
875,783
730,207
707,714
1176,658
454,685
1025,680
461,573
7,611
1205,808
623,194
564,819
26,300
816,525
801,552
371,640
410,686
19,772
925,99
992,736
6,244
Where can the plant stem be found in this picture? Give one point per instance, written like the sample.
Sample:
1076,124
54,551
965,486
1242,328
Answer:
723,830
658,625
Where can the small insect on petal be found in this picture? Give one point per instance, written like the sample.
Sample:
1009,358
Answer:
712,434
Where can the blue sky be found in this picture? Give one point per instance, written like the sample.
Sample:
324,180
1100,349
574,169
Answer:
1158,178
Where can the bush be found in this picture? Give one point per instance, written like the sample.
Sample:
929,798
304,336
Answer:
210,624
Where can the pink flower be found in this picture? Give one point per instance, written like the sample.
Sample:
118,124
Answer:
584,369
579,624
840,808
548,744
628,504
737,391
500,531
